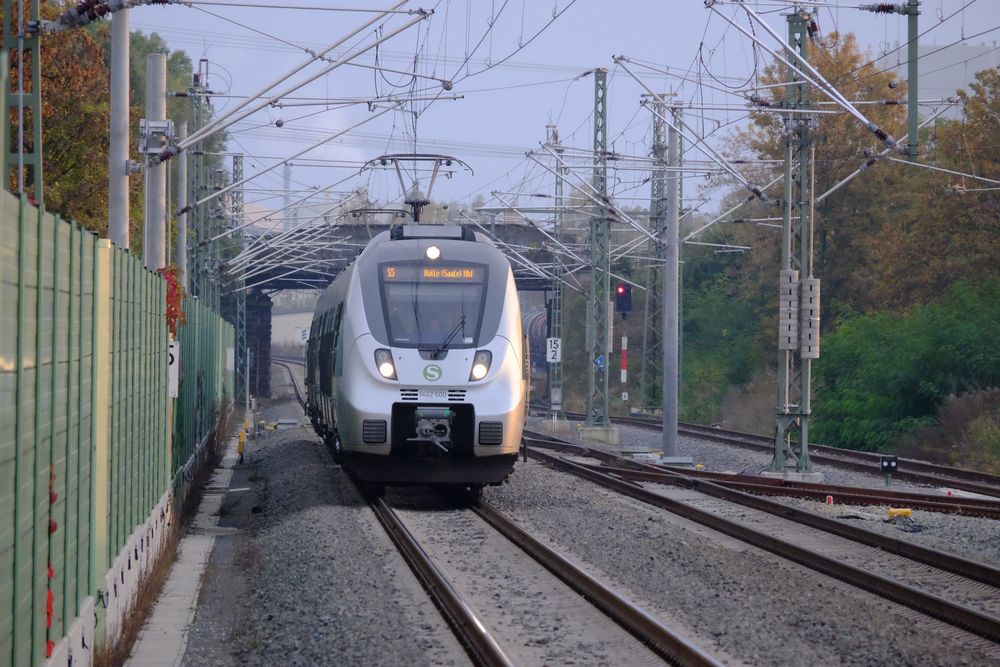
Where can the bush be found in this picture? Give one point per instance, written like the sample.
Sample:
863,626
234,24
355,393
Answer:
884,376
966,433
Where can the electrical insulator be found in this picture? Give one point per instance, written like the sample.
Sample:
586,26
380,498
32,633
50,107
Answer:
884,8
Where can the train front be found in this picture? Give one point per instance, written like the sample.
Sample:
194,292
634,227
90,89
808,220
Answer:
436,388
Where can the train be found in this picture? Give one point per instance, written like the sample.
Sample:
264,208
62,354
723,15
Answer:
417,365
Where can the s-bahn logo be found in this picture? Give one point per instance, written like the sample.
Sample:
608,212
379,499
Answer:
432,372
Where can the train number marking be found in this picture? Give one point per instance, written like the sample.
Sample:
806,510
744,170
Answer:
433,394
553,350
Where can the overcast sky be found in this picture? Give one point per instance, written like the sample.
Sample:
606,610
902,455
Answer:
505,106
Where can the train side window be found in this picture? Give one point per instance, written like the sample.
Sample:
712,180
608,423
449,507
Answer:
325,348
338,343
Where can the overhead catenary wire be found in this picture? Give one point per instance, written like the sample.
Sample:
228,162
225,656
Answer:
709,152
241,111
330,138
813,76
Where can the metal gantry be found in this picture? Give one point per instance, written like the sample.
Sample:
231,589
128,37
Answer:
798,340
600,257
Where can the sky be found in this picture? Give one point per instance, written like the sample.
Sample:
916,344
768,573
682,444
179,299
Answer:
516,69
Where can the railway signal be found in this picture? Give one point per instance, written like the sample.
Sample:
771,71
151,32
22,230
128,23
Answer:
623,298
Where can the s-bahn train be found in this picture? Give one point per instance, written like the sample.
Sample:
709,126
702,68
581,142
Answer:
416,362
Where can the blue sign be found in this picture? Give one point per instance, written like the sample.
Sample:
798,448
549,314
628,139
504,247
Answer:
599,362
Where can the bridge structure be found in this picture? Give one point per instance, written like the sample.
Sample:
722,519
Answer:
345,241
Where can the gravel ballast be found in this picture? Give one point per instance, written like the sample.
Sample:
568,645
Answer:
320,583
326,586
718,457
975,538
744,601
970,537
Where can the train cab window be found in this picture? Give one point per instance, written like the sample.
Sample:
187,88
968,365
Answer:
431,307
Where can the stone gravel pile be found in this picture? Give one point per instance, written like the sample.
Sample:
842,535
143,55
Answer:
970,537
974,538
328,586
717,457
732,597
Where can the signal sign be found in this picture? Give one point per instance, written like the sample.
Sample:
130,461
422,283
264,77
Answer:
553,350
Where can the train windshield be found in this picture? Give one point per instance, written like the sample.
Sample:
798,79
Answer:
437,307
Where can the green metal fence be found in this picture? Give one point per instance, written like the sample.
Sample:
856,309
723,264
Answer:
138,424
85,419
46,427
206,345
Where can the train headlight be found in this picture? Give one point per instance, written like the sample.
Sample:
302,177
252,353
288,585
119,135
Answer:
383,361
481,364
433,252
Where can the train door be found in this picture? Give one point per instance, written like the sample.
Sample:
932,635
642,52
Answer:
336,352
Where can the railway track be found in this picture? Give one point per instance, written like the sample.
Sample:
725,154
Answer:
848,495
469,625
971,580
910,470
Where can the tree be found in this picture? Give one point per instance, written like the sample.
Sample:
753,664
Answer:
75,121
74,126
846,221
886,375
950,229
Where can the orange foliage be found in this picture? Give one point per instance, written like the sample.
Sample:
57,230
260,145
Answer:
175,299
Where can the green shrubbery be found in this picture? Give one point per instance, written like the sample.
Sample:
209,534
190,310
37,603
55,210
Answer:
883,376
719,350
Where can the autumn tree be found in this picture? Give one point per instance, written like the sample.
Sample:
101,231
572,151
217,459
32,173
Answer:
949,228
75,119
846,221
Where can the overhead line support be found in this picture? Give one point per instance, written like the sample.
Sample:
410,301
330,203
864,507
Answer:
798,339
555,305
600,281
652,340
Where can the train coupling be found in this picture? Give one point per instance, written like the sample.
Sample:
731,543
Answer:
434,425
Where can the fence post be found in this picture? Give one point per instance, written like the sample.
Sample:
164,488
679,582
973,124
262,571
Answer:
100,561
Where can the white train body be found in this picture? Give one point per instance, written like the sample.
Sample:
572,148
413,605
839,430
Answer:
416,360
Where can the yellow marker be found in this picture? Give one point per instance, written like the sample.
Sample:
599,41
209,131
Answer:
240,444
899,511
699,466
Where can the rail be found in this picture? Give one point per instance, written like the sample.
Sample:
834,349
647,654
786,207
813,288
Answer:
922,472
932,605
663,640
481,646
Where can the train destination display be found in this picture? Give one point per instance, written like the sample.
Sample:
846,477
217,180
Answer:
417,273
